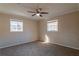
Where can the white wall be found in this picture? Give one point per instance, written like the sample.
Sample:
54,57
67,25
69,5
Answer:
78,6
7,38
68,30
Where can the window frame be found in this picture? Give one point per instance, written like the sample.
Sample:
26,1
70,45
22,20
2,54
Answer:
16,21
53,24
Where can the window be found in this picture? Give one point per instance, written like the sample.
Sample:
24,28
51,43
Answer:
16,25
52,25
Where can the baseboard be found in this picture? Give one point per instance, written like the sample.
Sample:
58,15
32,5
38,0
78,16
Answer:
67,46
13,44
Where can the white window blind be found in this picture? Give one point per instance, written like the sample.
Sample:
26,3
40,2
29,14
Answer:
16,25
52,25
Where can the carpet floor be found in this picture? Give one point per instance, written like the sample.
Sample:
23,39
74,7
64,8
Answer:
38,49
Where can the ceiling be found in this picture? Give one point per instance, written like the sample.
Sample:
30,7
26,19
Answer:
54,9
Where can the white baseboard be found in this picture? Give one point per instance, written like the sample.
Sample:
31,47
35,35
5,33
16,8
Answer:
77,48
9,44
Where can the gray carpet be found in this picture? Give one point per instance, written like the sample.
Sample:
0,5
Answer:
38,49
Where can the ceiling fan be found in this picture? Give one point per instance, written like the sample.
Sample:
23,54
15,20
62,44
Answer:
37,12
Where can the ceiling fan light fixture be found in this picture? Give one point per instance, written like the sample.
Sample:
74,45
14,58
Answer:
38,14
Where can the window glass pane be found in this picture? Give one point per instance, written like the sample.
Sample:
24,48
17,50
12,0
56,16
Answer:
16,25
52,25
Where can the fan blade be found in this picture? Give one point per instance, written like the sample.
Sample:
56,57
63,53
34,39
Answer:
33,14
44,12
41,15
